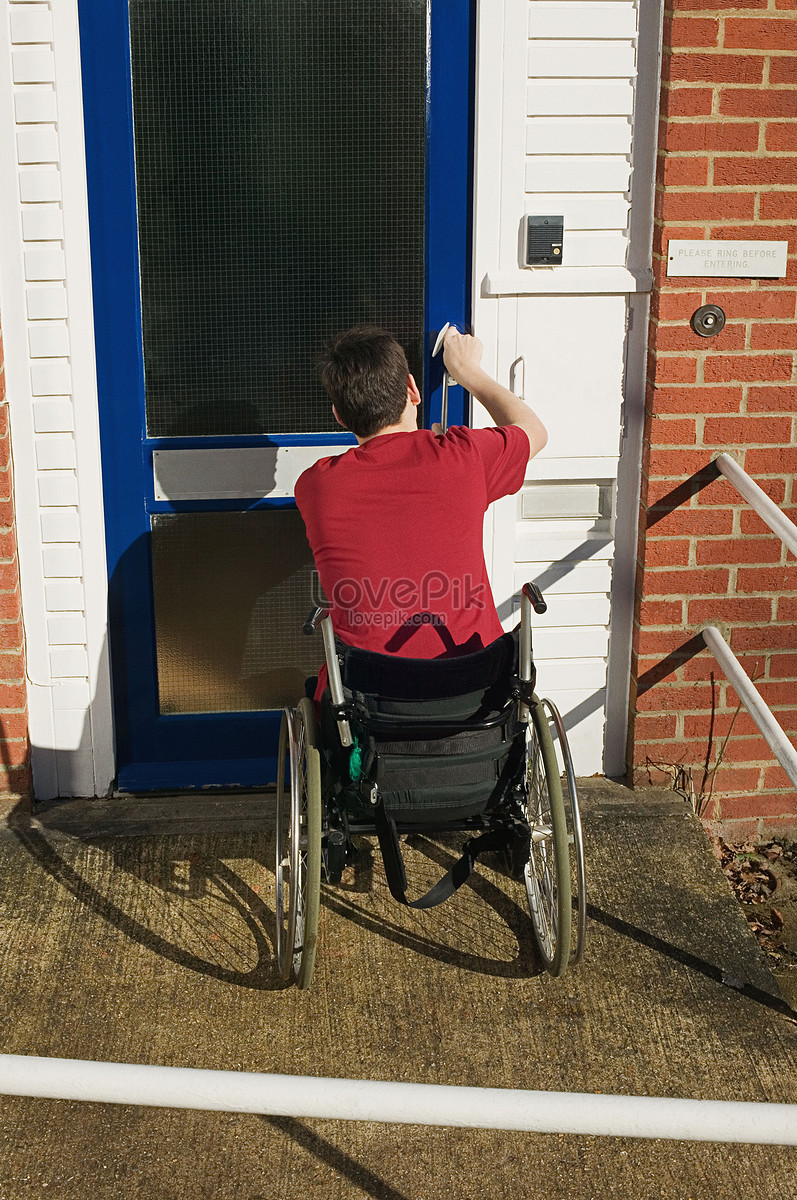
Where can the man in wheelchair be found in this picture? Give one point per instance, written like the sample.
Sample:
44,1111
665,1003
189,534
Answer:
425,705
395,524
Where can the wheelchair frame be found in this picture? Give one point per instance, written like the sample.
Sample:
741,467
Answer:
308,845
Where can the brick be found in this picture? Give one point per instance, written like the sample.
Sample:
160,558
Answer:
758,304
667,552
716,5
14,753
704,667
676,171
775,398
678,697
661,612
721,491
787,609
779,206
753,102
693,31
773,232
676,306
10,606
663,233
771,637
686,583
676,464
781,136
713,68
754,809
755,172
782,666
683,337
774,337
730,608
13,696
774,460
11,635
746,431
672,370
691,521
697,399
767,579
747,367
14,724
752,523
687,101
697,725
756,33
739,550
783,70
716,135
731,780
669,431
654,727
706,206
776,777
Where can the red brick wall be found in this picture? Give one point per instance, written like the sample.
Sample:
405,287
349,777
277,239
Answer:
727,168
15,780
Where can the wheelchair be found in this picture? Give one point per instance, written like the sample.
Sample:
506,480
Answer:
404,746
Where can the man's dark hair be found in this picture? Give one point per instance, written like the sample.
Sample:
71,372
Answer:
365,371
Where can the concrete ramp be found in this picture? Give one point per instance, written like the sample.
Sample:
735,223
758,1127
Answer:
143,932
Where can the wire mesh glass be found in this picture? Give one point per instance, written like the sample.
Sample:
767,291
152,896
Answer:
280,173
231,592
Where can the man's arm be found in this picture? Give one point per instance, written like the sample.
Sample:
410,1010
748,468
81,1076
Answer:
462,355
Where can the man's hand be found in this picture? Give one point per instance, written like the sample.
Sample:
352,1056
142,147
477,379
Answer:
462,355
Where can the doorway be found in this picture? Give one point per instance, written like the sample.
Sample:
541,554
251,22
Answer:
260,177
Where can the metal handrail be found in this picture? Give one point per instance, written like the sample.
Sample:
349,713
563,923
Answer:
582,1113
753,701
757,498
748,693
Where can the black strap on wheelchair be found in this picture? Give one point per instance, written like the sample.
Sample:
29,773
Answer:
493,839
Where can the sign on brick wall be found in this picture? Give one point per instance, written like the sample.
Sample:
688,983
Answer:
742,260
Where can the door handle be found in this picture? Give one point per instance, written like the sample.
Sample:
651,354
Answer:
517,378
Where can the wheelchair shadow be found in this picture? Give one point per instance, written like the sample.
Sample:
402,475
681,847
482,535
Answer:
216,923
514,919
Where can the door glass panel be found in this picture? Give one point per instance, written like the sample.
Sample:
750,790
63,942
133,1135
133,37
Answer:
280,169
231,593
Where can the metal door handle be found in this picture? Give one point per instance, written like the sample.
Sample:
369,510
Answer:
518,369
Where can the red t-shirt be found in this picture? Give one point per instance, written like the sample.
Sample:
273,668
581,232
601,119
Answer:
395,527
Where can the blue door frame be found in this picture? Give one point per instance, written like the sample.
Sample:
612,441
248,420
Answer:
156,752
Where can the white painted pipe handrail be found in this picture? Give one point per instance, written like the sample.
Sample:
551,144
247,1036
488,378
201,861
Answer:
767,509
751,698
401,1103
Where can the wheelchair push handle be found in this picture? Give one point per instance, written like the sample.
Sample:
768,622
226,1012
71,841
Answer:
533,593
314,619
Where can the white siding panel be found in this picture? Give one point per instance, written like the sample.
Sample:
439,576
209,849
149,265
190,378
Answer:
575,135
596,250
36,187
35,104
571,172
547,97
573,610
571,20
563,579
588,60
531,548
588,210
31,23
567,674
42,223
577,642
48,339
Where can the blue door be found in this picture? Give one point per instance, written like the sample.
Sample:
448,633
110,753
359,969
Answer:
260,177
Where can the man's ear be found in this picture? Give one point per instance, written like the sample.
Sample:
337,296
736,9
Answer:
413,395
336,415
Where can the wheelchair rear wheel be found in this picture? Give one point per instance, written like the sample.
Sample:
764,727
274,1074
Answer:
578,882
298,843
547,873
